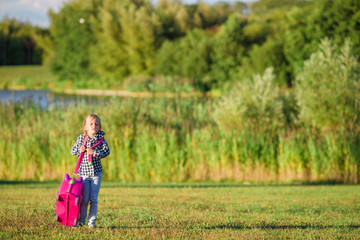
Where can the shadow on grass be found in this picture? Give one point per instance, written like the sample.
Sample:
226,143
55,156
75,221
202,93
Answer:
109,184
30,184
271,226
242,227
216,184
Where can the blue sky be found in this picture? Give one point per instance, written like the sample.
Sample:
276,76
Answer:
35,11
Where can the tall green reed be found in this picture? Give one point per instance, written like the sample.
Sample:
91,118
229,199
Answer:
168,140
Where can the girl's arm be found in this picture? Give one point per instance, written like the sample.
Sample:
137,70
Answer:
75,150
102,150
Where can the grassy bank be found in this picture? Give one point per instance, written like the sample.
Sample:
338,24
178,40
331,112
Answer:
26,77
41,77
181,212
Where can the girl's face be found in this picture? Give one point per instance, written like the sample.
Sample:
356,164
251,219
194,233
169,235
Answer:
92,126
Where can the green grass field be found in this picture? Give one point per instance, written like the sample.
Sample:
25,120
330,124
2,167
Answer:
41,77
26,77
189,212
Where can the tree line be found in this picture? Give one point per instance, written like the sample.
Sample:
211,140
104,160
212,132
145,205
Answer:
212,45
17,43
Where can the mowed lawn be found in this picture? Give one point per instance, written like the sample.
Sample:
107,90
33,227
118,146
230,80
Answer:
27,211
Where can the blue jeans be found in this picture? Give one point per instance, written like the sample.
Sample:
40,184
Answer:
90,194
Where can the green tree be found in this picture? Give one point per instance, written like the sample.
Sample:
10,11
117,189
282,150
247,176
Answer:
328,92
127,33
268,54
265,33
302,37
175,18
263,8
140,30
18,44
229,48
212,15
72,37
304,29
187,57
108,54
328,88
45,43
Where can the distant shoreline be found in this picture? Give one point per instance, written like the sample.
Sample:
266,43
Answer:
92,92
119,93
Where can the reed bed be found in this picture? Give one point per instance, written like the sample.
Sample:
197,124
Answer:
163,140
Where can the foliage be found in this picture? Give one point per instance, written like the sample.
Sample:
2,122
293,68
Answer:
126,38
192,55
265,7
228,50
290,107
251,104
171,139
302,37
175,19
122,37
328,88
283,34
305,28
269,54
17,43
141,29
328,92
108,55
132,37
72,37
212,15
264,33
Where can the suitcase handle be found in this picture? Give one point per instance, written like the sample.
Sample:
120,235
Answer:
90,155
82,156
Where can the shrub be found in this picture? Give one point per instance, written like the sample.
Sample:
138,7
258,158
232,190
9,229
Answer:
328,87
255,103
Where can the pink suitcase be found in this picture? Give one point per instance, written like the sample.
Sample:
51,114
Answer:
68,198
68,201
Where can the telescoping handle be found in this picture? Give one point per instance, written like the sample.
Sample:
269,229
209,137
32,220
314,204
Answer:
80,158
90,155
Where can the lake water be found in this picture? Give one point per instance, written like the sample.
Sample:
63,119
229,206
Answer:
44,98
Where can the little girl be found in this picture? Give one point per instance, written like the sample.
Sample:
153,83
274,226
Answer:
91,173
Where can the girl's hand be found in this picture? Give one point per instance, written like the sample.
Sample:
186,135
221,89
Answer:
90,151
82,149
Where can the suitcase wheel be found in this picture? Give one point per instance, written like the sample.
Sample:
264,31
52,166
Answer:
75,221
56,218
57,197
77,200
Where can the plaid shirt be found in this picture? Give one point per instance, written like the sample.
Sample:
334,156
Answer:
100,151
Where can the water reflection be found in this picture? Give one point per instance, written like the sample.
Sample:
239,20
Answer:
46,99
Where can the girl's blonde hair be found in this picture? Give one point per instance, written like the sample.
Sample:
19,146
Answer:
92,116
